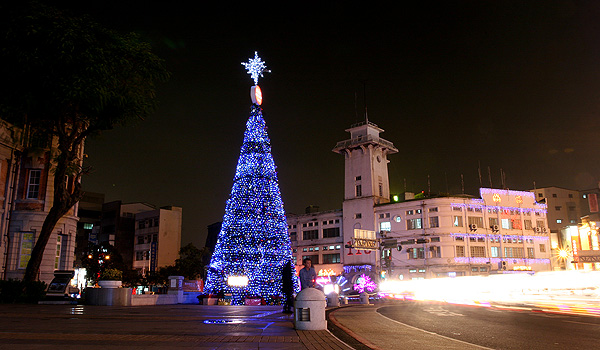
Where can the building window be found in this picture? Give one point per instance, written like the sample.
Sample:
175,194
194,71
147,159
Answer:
141,224
513,252
311,234
457,221
460,251
27,240
542,248
540,195
530,253
506,224
434,209
331,232
357,215
495,252
434,221
557,208
413,224
541,224
457,208
380,189
416,253
435,252
493,222
528,225
475,220
33,185
477,252
570,195
358,190
357,178
559,221
410,212
459,238
140,240
331,258
313,258
435,239
554,195
385,226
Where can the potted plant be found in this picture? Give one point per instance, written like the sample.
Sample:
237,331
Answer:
111,278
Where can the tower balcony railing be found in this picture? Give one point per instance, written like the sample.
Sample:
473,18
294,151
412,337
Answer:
362,140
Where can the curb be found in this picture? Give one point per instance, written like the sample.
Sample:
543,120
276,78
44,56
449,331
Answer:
360,339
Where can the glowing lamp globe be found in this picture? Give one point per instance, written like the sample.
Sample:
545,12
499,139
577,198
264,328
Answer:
256,95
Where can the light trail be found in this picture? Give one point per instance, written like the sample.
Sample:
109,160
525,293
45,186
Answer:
558,291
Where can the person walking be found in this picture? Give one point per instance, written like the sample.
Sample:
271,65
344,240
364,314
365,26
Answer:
308,276
287,287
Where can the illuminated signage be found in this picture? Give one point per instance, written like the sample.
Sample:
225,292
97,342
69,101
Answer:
496,198
521,268
237,281
326,272
519,199
363,243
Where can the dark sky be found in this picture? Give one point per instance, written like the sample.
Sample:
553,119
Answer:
512,85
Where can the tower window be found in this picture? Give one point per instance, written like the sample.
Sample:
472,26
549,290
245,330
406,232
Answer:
357,178
380,189
358,191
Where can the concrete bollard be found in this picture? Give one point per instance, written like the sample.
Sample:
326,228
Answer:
333,299
364,298
309,310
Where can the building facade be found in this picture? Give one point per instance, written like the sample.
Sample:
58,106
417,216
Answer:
26,196
501,231
157,238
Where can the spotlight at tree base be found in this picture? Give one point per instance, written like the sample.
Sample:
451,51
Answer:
237,281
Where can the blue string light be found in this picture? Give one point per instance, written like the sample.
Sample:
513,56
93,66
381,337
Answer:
254,241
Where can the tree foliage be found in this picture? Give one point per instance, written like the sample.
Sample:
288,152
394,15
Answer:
191,261
69,77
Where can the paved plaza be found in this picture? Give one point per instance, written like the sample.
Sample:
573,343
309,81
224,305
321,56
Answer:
155,327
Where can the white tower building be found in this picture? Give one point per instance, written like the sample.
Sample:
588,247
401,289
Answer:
366,183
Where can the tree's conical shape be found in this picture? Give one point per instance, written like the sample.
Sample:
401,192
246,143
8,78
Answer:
254,240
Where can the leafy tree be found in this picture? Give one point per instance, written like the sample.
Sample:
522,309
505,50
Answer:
191,261
100,258
68,77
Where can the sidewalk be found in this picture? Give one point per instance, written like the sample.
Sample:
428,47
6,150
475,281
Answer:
155,327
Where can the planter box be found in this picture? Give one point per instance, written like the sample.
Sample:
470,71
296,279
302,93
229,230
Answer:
253,301
109,284
210,301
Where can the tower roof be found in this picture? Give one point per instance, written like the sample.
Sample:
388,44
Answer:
364,133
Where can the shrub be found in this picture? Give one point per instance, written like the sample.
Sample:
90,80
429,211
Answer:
112,275
16,291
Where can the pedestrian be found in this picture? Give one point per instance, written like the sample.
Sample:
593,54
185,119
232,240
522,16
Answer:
308,276
287,287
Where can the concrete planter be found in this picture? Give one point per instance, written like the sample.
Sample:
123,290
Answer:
109,284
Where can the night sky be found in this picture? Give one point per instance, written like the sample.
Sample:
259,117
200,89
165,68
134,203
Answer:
511,85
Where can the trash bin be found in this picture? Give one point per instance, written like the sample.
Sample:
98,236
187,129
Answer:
333,299
309,310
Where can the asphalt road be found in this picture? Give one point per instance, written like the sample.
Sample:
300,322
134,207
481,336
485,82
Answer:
499,328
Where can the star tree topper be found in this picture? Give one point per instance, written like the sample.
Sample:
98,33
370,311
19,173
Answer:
256,67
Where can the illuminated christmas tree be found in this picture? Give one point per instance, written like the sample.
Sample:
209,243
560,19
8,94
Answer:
254,244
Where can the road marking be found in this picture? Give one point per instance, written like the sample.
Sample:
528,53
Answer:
591,324
441,312
433,333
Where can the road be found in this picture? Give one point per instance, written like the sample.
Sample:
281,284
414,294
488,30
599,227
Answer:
498,328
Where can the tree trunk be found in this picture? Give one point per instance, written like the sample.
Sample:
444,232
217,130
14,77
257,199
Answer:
63,201
33,267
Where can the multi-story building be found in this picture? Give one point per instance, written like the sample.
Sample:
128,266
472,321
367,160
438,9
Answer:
157,238
318,236
117,227
499,231
89,213
26,196
573,217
